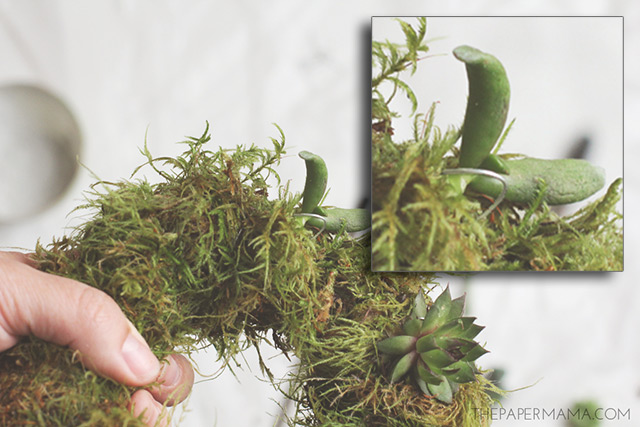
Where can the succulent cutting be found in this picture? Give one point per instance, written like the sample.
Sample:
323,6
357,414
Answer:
519,180
331,219
436,347
441,204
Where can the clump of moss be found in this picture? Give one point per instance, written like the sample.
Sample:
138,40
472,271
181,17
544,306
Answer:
209,257
419,221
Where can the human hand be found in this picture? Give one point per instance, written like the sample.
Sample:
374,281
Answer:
69,313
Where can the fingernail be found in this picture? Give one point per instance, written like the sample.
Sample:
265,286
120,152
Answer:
141,361
171,373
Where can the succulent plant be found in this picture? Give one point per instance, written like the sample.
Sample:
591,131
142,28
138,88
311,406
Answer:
437,347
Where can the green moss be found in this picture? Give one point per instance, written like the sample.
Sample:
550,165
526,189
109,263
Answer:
209,257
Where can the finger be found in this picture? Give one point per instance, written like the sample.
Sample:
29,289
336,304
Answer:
19,257
176,380
143,403
69,313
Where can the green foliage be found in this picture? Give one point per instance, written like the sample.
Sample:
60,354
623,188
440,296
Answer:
208,257
436,346
487,107
389,59
588,240
328,219
421,221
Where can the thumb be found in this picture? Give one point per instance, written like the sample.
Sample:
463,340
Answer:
69,313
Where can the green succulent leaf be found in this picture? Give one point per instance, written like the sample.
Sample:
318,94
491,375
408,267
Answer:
441,391
474,353
456,308
437,358
449,371
337,218
422,385
419,307
426,343
464,372
471,331
412,327
450,344
319,210
495,163
397,345
454,387
461,327
452,328
402,366
467,345
487,104
569,180
439,312
316,181
426,375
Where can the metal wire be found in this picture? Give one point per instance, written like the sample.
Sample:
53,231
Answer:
483,172
320,217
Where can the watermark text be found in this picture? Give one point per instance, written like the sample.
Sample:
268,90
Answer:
542,414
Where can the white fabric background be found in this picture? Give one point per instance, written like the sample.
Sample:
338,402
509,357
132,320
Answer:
167,66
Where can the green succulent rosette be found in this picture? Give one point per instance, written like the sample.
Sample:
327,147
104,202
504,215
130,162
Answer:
437,347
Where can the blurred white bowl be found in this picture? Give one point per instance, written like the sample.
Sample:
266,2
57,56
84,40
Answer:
39,145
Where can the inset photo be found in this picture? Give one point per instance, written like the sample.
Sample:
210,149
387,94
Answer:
497,144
